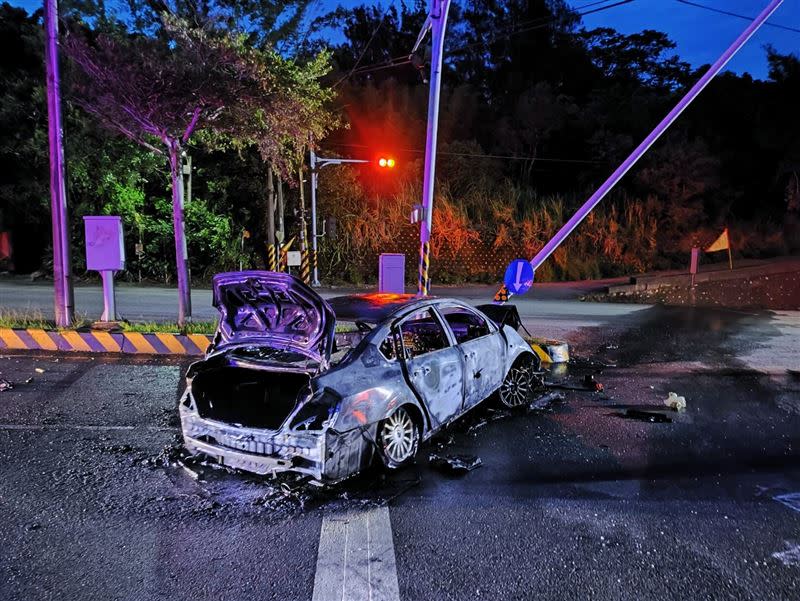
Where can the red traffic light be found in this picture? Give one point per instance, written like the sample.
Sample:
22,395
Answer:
386,162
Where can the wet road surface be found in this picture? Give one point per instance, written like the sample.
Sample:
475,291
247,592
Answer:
572,500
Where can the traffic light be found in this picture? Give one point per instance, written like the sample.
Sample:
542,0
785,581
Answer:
386,163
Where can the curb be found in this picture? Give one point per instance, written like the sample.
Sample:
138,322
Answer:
103,342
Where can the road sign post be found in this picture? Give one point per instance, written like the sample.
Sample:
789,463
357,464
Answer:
519,276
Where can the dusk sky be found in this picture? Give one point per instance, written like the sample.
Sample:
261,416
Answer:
701,35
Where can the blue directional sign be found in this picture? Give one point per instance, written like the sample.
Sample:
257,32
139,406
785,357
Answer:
519,276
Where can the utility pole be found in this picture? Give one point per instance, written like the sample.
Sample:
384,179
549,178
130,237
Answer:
318,163
436,23
62,263
314,269
304,266
271,258
187,171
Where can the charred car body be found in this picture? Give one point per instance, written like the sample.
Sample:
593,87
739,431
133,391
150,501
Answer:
280,390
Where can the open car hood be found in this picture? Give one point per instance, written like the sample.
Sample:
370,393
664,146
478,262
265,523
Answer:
274,310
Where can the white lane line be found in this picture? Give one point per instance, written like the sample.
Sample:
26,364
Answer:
356,559
98,428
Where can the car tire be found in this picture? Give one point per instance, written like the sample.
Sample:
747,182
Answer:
398,439
517,387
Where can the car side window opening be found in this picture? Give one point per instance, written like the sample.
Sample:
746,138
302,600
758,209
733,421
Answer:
465,324
387,348
422,333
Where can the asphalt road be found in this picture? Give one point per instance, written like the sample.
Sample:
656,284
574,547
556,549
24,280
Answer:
553,309
571,501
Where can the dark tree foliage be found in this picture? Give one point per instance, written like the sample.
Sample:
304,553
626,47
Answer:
536,112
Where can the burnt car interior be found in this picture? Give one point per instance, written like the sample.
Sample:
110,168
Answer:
252,398
465,324
422,333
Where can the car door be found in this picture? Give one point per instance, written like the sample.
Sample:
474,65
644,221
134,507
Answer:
482,350
433,365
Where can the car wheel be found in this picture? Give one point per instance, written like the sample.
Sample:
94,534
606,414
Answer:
398,438
517,387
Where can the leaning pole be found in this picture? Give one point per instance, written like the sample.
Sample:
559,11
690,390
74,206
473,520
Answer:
62,265
436,22
503,294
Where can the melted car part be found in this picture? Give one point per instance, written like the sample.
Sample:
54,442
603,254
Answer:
456,464
645,416
251,398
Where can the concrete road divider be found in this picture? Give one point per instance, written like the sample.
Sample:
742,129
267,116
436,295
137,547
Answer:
103,342
550,351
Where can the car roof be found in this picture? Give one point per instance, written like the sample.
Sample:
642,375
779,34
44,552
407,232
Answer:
373,307
377,307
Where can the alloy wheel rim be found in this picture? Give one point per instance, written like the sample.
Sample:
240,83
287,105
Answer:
516,387
398,436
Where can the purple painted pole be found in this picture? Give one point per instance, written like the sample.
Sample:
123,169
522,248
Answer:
62,264
579,216
181,254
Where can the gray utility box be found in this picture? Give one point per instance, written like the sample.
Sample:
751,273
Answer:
392,273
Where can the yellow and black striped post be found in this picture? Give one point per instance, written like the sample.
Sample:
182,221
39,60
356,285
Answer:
424,284
305,267
283,259
502,295
314,269
272,262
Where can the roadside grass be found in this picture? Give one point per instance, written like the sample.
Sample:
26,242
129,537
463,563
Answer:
34,318
13,318
194,327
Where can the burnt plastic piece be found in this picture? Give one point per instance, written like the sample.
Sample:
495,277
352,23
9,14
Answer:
592,384
5,385
502,314
546,401
455,464
645,416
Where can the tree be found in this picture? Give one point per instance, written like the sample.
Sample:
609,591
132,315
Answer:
161,90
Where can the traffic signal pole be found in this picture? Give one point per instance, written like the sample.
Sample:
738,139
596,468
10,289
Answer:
318,163
436,23
503,294
62,264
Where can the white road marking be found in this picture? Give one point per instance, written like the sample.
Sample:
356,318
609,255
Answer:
356,559
98,428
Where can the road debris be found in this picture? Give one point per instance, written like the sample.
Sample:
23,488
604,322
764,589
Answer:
38,370
789,557
546,401
592,384
455,464
5,385
675,402
791,500
589,384
644,416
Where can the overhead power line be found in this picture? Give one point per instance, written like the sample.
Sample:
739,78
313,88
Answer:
481,155
522,27
366,47
730,14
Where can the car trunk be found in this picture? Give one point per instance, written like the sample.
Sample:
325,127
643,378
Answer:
248,397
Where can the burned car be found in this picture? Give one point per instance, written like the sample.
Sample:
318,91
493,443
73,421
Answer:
286,385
